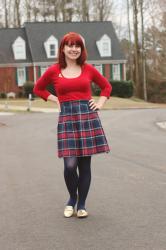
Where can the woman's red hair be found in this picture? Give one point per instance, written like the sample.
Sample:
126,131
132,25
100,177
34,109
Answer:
72,38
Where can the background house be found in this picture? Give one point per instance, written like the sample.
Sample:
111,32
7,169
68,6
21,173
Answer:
25,53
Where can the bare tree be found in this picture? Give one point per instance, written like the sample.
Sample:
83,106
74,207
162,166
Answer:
85,10
143,52
102,9
129,41
17,16
6,14
156,44
136,48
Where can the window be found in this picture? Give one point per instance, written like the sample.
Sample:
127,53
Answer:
21,76
104,46
51,47
19,49
42,70
52,50
116,71
99,68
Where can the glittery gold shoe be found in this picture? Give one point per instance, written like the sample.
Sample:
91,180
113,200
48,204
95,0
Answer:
82,213
69,211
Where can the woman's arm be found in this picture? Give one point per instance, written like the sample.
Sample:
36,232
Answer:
40,87
105,87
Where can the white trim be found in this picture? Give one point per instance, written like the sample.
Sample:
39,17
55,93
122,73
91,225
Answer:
19,49
14,65
48,43
106,61
116,71
34,73
104,40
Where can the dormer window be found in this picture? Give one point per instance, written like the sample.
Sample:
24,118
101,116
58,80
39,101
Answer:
52,50
19,49
51,47
104,46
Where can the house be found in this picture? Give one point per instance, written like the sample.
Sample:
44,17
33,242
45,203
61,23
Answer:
25,53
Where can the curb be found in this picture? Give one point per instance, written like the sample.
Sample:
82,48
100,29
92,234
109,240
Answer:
26,109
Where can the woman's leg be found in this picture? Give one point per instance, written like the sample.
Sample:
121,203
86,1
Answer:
84,166
71,178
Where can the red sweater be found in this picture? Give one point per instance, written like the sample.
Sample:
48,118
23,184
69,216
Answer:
69,89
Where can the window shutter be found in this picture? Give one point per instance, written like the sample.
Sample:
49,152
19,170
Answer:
27,73
39,71
103,69
121,71
111,72
16,76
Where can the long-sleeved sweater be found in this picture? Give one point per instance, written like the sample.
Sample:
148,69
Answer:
69,89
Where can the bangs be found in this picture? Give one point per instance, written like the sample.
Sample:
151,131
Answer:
73,39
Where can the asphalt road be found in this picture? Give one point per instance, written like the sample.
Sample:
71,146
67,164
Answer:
127,199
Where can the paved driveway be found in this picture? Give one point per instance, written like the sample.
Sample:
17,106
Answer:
127,200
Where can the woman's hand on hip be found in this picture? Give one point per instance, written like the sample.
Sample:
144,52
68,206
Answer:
93,105
97,106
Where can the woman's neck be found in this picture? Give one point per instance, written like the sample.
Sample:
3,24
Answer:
71,63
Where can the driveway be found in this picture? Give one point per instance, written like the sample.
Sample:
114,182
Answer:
127,199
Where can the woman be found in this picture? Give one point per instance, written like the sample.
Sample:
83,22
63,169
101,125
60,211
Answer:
80,133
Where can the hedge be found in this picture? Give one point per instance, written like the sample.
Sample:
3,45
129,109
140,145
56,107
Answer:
28,89
122,89
3,95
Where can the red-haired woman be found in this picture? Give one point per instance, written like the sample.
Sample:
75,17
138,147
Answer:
80,133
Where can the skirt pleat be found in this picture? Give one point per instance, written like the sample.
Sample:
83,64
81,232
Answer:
79,130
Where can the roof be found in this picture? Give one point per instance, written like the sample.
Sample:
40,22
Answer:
7,38
36,33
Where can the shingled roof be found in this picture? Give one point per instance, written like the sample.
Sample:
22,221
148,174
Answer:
7,38
36,33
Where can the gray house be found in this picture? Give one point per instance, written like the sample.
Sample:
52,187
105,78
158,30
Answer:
25,53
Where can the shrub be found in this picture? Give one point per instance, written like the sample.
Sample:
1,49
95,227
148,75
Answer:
3,95
122,89
28,89
20,94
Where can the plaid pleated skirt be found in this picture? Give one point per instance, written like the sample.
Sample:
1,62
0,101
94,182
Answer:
79,130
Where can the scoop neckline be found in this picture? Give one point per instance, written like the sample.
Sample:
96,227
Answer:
82,68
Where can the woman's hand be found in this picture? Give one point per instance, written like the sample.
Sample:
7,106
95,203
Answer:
97,106
53,98
93,105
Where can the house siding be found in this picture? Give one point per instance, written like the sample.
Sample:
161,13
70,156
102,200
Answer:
38,73
8,80
107,71
30,74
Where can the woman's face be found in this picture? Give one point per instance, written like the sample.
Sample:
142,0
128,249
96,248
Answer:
72,51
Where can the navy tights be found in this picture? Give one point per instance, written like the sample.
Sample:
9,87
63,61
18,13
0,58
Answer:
77,182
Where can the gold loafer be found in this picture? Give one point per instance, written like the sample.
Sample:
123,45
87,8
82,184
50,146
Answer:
69,211
82,213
